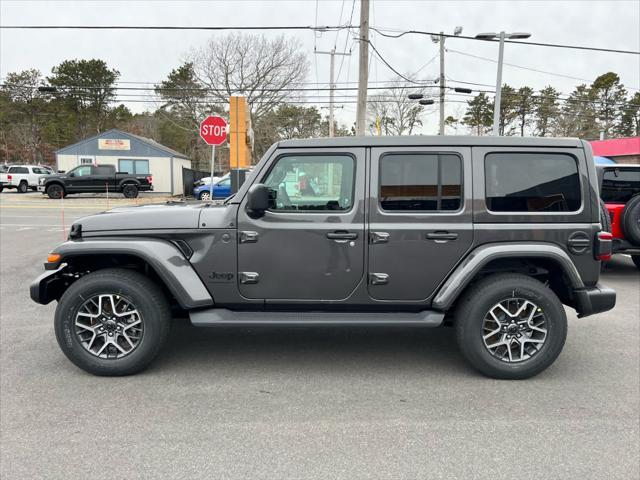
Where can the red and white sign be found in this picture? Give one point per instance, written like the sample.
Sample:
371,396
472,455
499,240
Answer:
213,130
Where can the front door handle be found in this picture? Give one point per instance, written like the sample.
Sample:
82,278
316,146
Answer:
341,235
441,236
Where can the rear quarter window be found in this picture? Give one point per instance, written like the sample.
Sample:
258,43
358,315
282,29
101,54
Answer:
619,185
532,182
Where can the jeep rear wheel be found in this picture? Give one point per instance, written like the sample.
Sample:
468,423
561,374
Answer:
510,326
23,187
112,322
130,191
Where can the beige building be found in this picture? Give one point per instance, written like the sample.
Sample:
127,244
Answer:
129,153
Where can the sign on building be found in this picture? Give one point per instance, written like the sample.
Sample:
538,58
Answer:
114,144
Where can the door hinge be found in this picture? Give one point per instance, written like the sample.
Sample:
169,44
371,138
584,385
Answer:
378,278
248,237
248,278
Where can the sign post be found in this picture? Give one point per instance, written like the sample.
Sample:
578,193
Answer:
213,130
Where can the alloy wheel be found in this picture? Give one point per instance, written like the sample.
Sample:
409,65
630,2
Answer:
514,330
109,326
205,196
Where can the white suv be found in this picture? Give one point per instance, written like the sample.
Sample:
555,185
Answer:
22,177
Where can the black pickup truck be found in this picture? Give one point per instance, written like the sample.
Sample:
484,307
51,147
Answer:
95,179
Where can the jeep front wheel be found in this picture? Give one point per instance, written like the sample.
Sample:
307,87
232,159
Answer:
112,322
510,326
55,191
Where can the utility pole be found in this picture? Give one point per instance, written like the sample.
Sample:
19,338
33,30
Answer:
442,85
440,39
332,84
363,69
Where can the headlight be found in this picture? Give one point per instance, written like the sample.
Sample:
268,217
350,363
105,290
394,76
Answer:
41,180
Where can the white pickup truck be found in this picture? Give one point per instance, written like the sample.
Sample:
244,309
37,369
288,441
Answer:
22,177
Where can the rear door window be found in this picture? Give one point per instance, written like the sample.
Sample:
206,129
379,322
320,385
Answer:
532,182
620,184
420,182
18,170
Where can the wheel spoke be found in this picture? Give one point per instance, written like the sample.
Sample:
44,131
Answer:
98,318
521,334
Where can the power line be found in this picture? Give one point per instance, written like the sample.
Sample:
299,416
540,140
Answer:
389,66
321,28
525,68
519,42
302,27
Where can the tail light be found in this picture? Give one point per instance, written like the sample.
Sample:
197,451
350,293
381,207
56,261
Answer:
150,179
9,177
604,245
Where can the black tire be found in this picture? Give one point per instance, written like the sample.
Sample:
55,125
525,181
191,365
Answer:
129,190
479,300
55,191
636,260
147,297
631,220
1,188
23,187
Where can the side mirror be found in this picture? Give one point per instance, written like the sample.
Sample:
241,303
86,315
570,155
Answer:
60,171
258,199
72,174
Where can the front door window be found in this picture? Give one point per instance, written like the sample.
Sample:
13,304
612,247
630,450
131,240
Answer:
311,183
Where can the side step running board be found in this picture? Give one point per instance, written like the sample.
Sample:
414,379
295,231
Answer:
220,316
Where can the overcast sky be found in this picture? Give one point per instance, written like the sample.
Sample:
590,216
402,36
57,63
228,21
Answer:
148,56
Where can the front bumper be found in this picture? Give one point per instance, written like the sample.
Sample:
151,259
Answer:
593,300
50,285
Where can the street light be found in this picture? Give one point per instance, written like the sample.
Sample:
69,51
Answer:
415,96
426,101
501,36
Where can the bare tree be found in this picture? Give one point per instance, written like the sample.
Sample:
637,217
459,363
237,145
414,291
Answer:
398,115
264,70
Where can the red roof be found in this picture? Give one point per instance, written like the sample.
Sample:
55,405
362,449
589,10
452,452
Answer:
616,147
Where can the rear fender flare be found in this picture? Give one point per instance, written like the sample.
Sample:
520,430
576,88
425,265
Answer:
481,256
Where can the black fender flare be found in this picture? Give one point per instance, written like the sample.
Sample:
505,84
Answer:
478,258
131,181
162,256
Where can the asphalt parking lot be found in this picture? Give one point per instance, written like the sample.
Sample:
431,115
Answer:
306,403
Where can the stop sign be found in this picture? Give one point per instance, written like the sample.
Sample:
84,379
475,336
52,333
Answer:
213,130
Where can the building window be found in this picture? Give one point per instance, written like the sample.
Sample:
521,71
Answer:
427,182
532,182
310,183
133,166
86,161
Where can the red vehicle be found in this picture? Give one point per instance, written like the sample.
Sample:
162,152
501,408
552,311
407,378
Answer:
620,196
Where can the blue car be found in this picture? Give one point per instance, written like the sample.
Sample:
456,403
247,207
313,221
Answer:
221,189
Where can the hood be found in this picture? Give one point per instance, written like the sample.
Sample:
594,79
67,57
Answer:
144,217
165,216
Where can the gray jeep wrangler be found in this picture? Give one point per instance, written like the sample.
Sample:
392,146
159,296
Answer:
489,235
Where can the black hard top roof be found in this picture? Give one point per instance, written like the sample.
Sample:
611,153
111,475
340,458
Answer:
427,140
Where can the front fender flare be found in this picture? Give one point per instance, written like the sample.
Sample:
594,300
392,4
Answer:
164,258
478,258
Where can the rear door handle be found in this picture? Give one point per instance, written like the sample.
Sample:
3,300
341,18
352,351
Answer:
342,235
441,236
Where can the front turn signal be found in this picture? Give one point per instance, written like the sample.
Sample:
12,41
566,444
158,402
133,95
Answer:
53,258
